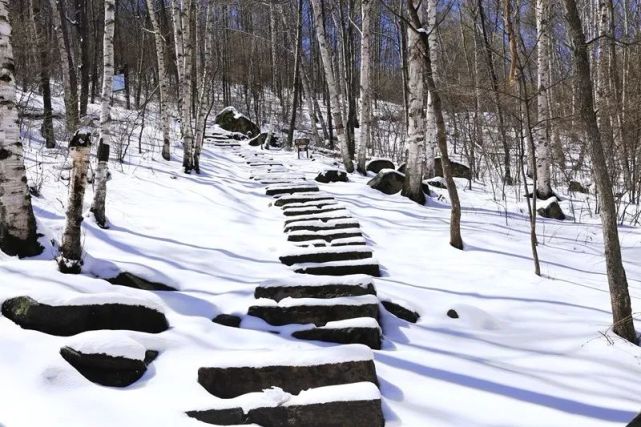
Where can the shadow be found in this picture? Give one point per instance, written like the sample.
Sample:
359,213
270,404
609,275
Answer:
558,403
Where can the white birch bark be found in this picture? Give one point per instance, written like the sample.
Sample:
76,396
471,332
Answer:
70,260
100,192
204,89
163,80
182,35
542,130
334,93
17,223
430,119
366,90
413,184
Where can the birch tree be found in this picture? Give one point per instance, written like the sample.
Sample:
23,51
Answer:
413,184
332,85
623,324
18,234
163,78
542,130
366,90
70,259
100,192
42,52
430,122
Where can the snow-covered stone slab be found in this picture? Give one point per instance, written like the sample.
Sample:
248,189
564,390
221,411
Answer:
363,330
303,187
356,404
331,287
303,197
307,211
311,204
318,311
349,241
85,313
238,373
327,235
339,268
340,213
341,253
317,224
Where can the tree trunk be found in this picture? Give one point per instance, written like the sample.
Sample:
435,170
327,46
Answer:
42,52
69,80
542,129
18,234
83,32
366,85
70,260
431,133
332,85
296,82
163,78
619,296
100,192
413,184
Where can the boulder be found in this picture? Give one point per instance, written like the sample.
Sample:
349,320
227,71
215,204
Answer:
452,314
330,290
233,121
388,181
438,182
551,210
400,311
577,187
636,422
132,281
258,140
316,314
402,168
370,337
103,369
354,413
66,320
459,170
332,175
377,165
227,320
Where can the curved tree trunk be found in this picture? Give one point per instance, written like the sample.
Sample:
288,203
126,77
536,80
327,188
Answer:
332,85
18,234
366,90
100,192
163,78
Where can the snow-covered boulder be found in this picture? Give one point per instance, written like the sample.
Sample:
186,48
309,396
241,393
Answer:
232,120
400,311
227,320
388,181
550,208
376,165
86,313
577,187
133,281
459,170
331,175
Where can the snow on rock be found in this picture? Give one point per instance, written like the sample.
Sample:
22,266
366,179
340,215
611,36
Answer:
358,322
361,280
330,250
295,302
101,298
111,343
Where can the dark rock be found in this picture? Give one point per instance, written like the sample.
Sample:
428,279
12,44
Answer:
293,189
108,370
636,422
372,269
352,413
437,182
318,217
388,182
312,210
258,140
65,320
370,337
402,168
327,237
289,200
458,170
400,311
552,210
377,165
231,120
332,175
321,225
577,187
132,281
452,313
227,320
277,293
227,383
316,314
324,256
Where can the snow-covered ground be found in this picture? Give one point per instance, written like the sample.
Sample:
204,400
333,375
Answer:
525,351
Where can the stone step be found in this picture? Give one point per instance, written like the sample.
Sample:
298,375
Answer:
316,287
343,253
340,268
310,204
348,405
313,210
351,331
326,235
285,200
236,373
303,187
318,311
341,213
317,225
